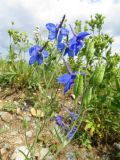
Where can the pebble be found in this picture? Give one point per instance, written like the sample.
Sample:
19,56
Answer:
70,156
6,146
36,113
17,155
117,146
29,134
5,116
4,154
72,96
27,118
3,151
18,111
16,103
44,152
105,157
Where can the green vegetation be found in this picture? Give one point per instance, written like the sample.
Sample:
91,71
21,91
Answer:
98,92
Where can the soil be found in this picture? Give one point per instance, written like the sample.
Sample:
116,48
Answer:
12,133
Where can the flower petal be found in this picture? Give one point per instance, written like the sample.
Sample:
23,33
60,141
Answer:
64,78
70,135
52,35
70,53
72,41
59,121
64,31
34,50
73,115
40,59
82,35
66,87
73,76
32,60
61,47
51,27
78,47
45,54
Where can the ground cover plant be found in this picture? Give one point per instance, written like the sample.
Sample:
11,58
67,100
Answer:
75,60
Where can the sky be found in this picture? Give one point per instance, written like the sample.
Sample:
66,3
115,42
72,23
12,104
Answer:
30,13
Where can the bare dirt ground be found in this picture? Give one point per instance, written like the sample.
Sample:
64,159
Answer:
14,109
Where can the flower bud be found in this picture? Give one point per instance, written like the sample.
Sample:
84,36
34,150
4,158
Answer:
98,75
87,96
90,50
78,86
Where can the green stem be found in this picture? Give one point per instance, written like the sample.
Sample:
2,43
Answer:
36,137
54,70
76,102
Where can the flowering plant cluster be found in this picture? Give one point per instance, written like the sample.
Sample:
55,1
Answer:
88,65
71,47
66,46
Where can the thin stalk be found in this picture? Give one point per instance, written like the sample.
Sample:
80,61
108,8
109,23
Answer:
54,70
45,80
76,102
36,137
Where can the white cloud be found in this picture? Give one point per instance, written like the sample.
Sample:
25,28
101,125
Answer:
27,13
116,44
53,9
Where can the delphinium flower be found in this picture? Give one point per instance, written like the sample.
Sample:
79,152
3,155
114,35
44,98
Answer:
59,121
77,42
37,53
58,32
73,116
53,32
70,135
68,78
61,47
74,45
69,51
64,126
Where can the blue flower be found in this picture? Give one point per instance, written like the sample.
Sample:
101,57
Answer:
59,121
54,30
76,43
57,32
60,47
63,33
73,115
70,135
68,80
69,51
37,53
